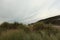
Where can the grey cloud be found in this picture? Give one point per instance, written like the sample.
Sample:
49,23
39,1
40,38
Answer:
24,10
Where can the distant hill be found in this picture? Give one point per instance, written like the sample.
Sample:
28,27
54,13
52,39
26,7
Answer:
53,20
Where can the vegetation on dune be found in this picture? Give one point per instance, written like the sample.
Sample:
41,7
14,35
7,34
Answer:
36,31
53,20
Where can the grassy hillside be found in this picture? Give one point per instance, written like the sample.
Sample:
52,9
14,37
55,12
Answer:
53,20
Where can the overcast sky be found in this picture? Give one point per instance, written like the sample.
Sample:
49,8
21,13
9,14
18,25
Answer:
28,11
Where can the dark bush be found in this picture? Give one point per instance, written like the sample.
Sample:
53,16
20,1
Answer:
39,26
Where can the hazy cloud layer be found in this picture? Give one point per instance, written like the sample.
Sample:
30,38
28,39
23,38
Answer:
28,11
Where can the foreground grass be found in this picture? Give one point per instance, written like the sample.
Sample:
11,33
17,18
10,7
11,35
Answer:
22,35
37,31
